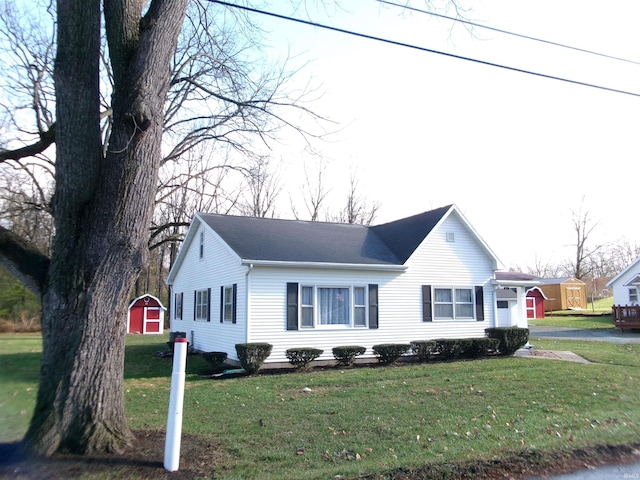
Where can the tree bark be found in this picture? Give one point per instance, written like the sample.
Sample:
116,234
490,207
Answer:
102,208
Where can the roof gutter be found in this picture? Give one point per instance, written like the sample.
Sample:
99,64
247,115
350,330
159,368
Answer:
325,265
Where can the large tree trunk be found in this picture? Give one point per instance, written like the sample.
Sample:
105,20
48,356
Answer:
102,210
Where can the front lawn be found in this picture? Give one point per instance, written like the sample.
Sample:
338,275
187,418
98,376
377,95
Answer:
366,421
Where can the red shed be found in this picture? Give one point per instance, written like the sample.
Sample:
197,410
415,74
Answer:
535,303
146,315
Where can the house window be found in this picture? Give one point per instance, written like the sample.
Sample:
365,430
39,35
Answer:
453,303
201,305
201,244
228,304
333,306
306,307
359,307
633,296
177,312
503,304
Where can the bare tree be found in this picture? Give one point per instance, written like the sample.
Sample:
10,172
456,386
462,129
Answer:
314,192
261,189
583,227
357,209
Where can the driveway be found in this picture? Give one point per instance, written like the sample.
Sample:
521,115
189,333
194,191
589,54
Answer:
594,334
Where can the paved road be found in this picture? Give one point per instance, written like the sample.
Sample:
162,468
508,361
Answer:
594,334
610,472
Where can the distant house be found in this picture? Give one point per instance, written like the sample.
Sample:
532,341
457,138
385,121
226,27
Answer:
146,315
626,285
295,283
566,293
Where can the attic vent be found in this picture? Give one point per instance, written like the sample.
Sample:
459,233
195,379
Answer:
451,237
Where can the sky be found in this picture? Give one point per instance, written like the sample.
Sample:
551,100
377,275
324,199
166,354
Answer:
517,153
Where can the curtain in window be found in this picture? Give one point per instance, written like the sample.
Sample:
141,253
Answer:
333,306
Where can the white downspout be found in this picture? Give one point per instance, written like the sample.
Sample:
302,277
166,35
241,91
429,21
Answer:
246,302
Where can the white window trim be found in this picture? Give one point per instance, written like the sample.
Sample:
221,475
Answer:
453,289
199,306
225,303
633,295
201,246
334,326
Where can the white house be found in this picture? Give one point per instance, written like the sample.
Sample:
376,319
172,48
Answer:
296,283
626,285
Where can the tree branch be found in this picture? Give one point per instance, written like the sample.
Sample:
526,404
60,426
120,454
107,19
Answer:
28,264
46,139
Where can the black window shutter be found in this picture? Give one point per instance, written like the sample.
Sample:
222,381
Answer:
235,302
195,299
292,306
373,305
221,304
208,304
479,303
427,316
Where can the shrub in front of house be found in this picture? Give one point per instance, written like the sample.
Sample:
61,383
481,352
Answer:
390,352
253,355
424,350
214,359
511,338
302,357
447,348
482,347
346,355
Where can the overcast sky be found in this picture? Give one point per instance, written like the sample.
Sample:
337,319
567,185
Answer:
515,152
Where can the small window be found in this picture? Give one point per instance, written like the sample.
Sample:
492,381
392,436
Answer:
228,304
177,312
202,305
633,296
503,304
443,303
201,244
306,307
359,307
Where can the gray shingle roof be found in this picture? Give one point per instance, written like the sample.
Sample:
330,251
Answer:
304,241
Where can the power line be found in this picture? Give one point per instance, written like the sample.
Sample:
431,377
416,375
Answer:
423,49
506,32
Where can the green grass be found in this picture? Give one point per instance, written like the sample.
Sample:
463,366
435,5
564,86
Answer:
575,321
371,420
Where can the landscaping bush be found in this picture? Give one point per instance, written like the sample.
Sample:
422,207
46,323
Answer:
390,352
482,347
253,355
511,338
302,357
347,354
447,348
423,349
214,359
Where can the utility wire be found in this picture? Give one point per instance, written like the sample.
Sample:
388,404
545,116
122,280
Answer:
423,49
506,32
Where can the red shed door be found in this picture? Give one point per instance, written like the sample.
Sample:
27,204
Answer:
531,307
152,322
135,319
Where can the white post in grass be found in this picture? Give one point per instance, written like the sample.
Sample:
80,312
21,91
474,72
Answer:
176,401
